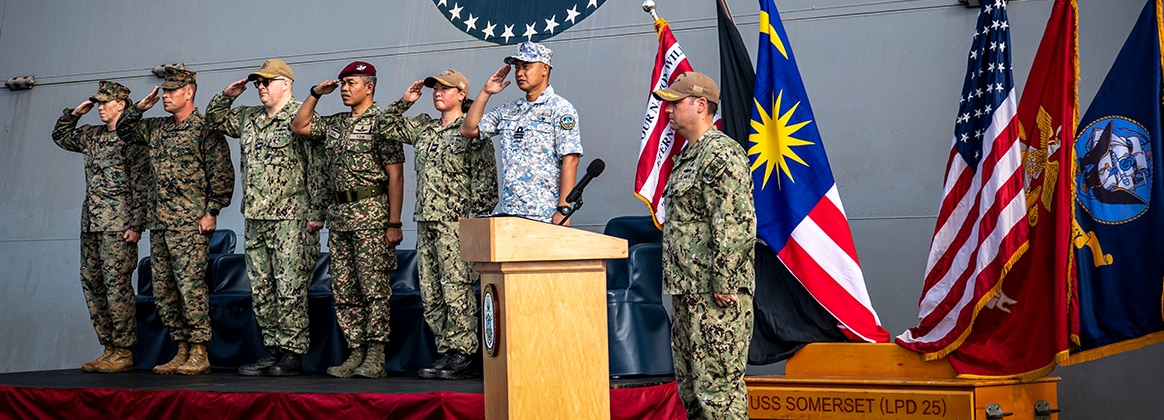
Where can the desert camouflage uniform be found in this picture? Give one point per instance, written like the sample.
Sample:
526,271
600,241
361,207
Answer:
455,178
116,183
534,138
708,248
283,188
356,154
193,175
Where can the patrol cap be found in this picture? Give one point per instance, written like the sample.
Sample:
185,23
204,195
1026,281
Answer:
108,91
358,68
176,78
271,69
690,84
531,52
450,78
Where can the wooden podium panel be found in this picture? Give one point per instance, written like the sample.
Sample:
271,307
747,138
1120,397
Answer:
862,380
544,311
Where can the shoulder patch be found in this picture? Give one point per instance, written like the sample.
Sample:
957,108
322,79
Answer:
567,122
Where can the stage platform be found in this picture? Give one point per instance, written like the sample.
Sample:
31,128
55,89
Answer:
72,394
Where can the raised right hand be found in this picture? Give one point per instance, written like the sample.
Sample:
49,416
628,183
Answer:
83,108
148,102
497,82
328,86
413,92
235,89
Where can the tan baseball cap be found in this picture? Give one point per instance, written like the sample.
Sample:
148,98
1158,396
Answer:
450,78
690,84
271,69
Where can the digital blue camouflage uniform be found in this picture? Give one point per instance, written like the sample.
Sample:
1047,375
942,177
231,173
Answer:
534,137
357,153
708,248
283,188
117,179
455,178
193,176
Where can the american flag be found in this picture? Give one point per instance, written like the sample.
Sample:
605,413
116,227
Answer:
981,228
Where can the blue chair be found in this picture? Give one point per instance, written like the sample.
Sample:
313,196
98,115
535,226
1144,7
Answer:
222,241
639,330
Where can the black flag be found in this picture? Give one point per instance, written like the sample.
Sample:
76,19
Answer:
737,78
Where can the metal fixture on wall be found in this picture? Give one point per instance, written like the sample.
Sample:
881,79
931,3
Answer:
21,82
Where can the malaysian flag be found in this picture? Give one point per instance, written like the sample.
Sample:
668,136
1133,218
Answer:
981,230
798,206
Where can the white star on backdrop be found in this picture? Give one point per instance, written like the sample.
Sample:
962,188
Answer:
551,23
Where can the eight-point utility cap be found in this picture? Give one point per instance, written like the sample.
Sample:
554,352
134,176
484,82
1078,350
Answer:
531,52
176,78
358,68
450,78
272,69
108,91
690,84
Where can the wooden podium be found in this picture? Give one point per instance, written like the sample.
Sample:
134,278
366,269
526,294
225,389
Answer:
543,313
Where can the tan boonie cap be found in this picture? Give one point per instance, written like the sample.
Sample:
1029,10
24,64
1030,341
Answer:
271,69
108,91
450,78
690,84
176,78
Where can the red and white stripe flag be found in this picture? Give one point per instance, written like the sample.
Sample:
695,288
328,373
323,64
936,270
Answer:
981,229
659,143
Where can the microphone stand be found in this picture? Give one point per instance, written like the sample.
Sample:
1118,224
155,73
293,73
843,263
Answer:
573,208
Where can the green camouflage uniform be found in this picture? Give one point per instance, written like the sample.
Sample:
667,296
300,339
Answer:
116,183
708,248
455,178
356,154
283,188
193,175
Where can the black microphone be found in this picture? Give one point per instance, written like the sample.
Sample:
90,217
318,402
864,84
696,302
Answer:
593,171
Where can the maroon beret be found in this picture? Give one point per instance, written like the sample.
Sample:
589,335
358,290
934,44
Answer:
358,68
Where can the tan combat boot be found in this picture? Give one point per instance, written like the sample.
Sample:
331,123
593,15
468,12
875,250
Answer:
88,366
373,366
197,363
178,360
120,361
345,370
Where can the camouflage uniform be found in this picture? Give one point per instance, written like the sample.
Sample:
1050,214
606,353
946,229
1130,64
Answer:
283,188
455,178
116,182
193,176
534,138
357,153
708,248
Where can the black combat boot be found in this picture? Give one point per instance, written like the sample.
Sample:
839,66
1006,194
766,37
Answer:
260,367
459,366
431,371
290,365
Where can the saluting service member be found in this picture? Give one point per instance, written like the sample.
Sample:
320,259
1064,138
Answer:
194,181
708,254
365,172
112,220
456,177
538,136
283,189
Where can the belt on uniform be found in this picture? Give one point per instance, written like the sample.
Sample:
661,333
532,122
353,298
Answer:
359,193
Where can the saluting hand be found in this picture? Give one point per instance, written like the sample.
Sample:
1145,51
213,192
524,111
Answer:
83,108
148,102
328,86
413,93
235,89
497,82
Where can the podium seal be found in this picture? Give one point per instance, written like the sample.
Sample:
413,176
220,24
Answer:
489,308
